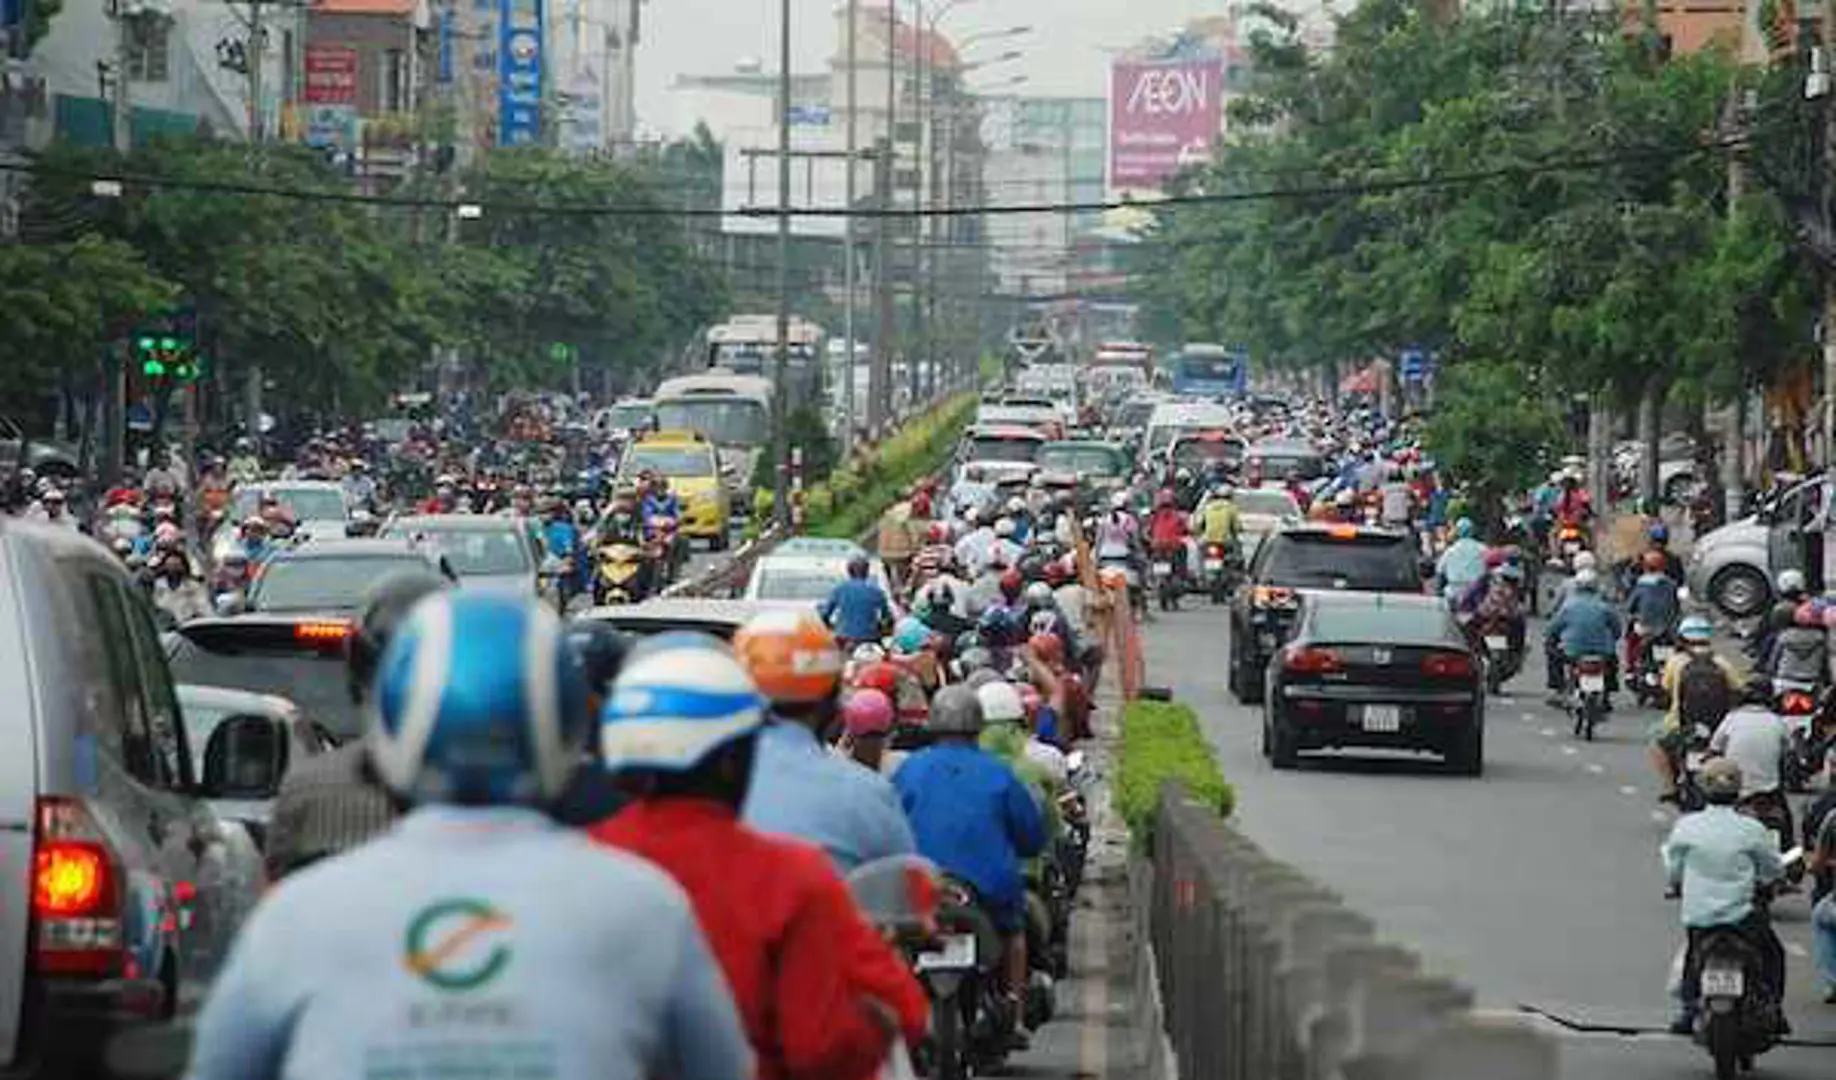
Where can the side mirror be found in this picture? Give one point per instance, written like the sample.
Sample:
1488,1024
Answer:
245,759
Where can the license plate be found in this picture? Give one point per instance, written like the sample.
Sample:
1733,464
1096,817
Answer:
1163,568
1724,982
956,954
1382,718
1662,653
1214,564
1497,643
1694,760
1593,684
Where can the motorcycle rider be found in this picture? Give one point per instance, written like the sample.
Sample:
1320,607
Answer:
799,789
1463,562
1792,592
976,820
867,720
481,718
1652,604
1586,625
1658,537
1716,857
1167,533
1756,738
1574,507
975,547
1219,521
177,591
820,994
1800,653
1701,686
857,608
1117,532
244,464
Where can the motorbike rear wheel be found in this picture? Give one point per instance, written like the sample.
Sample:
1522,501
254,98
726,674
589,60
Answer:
949,1053
1723,1038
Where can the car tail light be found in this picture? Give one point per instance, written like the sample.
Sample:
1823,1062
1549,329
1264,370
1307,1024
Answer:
1270,596
1306,661
1797,704
322,633
76,893
1447,665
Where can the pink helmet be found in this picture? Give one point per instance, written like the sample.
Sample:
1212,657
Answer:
867,712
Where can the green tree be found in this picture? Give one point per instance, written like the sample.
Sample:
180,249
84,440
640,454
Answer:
1493,451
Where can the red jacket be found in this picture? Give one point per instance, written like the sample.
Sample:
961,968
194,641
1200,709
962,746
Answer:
797,954
1166,528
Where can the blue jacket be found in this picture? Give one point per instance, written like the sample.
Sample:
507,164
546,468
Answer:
973,817
447,940
1586,625
857,609
800,789
1653,601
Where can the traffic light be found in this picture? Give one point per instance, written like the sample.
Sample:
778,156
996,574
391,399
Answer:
163,356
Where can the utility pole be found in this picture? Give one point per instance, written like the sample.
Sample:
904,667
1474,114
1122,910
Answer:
853,56
780,421
114,384
879,393
922,61
255,53
1829,316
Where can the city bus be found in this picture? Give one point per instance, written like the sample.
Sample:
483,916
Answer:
1210,371
748,345
731,411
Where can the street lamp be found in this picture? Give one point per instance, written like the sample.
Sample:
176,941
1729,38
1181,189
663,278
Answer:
973,40
1005,58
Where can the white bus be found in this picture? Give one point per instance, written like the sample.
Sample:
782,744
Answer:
730,410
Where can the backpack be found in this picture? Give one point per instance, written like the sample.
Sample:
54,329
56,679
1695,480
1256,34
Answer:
1801,655
1703,696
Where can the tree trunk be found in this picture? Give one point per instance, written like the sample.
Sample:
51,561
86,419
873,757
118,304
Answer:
1649,432
1599,453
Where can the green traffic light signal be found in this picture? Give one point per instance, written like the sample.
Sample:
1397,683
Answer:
152,367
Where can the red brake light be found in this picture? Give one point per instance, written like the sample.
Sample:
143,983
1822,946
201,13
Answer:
322,633
1343,532
1796,704
1448,666
1272,596
1307,661
69,878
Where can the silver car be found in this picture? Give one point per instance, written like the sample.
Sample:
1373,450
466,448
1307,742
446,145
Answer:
124,887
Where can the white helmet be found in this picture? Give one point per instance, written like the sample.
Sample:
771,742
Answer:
1001,703
1586,560
1791,581
1587,579
1004,526
1118,500
1016,505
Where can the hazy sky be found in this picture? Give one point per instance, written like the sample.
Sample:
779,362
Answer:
1065,53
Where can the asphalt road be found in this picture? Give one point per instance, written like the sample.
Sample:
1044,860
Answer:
1537,885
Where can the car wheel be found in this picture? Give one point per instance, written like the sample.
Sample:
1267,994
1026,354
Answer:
1284,752
1267,744
1740,592
1235,675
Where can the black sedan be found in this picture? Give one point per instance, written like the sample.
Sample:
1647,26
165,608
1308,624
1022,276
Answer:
1383,670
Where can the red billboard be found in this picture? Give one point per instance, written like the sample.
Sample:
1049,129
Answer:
331,75
1163,114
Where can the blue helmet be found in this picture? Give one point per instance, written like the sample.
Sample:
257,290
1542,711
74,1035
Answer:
676,702
1463,528
1659,533
480,701
911,635
996,626
1695,628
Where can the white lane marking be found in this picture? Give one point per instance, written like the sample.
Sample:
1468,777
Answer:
1596,769
1570,751
1547,733
1628,789
1659,816
1528,717
1796,949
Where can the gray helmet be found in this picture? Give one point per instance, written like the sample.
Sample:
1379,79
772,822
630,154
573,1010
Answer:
981,677
956,711
1720,781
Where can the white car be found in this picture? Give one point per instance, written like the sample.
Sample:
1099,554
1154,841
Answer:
319,508
805,570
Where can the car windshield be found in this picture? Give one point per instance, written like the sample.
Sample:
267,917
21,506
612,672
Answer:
1218,370
1319,560
727,421
1099,461
305,504
1283,463
477,551
324,583
314,680
628,417
1206,451
1379,622
671,461
796,583
998,449
1270,503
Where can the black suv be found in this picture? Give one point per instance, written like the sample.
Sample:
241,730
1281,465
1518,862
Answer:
1299,558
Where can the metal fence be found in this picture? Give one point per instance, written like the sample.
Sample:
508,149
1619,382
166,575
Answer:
1266,975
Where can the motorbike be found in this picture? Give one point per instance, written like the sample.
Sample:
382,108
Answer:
1166,580
618,572
1658,645
1810,739
1502,661
1587,694
1220,566
1695,755
1736,1018
1570,541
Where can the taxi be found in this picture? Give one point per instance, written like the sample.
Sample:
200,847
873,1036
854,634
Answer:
693,467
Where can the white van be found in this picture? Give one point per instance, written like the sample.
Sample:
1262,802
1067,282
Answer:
1172,419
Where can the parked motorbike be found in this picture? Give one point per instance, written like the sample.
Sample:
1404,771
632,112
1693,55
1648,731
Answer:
1587,694
1658,645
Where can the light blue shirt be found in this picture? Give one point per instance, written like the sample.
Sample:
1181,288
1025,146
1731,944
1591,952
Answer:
487,940
801,790
1462,563
1718,855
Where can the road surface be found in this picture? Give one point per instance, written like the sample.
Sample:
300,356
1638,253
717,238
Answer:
1538,884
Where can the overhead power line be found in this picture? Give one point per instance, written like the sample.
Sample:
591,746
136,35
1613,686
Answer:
1369,186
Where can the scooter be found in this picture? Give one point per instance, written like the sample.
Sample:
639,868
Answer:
618,571
1166,580
1587,695
1658,645
1736,1018
1689,768
1502,661
1220,565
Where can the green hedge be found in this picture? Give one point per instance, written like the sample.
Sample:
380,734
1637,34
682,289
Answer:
856,495
1161,742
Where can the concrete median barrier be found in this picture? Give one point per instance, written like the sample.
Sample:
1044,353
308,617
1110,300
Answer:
1264,974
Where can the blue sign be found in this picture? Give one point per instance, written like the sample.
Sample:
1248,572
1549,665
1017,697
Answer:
1413,365
446,48
519,73
809,115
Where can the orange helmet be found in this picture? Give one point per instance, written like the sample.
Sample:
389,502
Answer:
791,655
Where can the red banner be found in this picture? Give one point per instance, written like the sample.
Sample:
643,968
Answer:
1163,115
331,75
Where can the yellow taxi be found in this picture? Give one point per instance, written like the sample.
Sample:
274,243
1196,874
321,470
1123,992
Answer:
693,467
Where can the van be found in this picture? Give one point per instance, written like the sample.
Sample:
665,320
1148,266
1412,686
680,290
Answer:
120,887
1171,419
